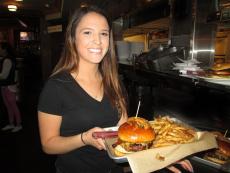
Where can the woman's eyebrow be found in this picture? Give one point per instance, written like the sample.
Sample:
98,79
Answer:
82,29
106,30
87,28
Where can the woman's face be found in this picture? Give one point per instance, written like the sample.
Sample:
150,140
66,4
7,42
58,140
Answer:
92,38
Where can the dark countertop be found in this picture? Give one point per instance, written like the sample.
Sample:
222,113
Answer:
197,167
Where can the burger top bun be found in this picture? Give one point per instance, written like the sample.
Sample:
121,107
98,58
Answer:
136,130
224,145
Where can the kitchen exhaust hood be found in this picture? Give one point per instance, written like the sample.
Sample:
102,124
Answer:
157,10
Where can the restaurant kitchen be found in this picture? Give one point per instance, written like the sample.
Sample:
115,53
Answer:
176,63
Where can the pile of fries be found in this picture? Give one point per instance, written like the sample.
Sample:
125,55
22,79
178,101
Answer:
169,132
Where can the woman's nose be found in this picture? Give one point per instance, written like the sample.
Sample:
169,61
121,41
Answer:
97,39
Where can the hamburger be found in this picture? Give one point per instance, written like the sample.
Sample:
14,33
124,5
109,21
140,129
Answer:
222,154
134,135
221,70
224,146
219,74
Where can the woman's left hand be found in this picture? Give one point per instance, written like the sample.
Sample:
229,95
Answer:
90,140
184,164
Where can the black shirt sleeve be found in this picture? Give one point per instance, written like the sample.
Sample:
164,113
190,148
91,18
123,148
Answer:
50,100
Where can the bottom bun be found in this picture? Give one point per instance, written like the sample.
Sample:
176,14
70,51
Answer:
120,151
216,160
216,156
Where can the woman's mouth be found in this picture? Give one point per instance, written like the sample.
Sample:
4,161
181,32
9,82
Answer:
95,50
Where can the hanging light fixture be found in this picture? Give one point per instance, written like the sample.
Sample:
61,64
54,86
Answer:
12,7
83,4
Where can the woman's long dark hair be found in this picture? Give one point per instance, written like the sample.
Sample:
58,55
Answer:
69,60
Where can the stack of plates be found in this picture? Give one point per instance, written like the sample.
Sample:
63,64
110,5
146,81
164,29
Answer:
187,65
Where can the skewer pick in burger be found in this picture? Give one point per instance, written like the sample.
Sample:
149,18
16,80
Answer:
134,135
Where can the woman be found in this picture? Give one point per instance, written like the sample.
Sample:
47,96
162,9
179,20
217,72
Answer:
82,96
8,88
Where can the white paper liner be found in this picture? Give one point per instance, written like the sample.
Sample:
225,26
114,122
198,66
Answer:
146,161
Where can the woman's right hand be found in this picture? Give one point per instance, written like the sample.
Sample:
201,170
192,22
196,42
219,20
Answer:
185,164
88,138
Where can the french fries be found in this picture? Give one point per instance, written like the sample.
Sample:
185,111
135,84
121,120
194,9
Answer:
169,132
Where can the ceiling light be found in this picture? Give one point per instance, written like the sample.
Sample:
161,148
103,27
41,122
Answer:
83,4
19,0
12,7
47,5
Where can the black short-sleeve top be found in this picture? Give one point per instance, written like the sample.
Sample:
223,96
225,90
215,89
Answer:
63,96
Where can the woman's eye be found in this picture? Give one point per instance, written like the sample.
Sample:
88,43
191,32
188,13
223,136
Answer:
86,32
105,34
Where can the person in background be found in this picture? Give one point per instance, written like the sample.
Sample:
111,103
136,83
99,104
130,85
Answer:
82,96
8,87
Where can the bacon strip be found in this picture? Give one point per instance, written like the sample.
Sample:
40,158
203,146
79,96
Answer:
105,134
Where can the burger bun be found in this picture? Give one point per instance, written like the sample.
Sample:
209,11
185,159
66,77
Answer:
136,130
224,145
134,135
120,151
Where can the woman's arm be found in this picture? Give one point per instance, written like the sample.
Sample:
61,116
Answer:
122,120
53,143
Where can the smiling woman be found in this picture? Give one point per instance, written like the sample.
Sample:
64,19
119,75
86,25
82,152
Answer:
92,38
82,96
